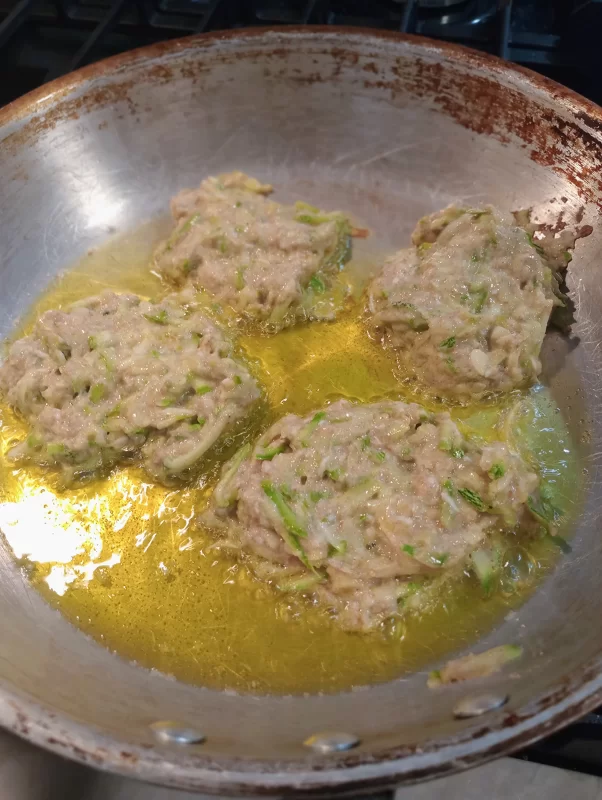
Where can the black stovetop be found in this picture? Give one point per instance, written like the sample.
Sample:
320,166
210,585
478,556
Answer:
43,39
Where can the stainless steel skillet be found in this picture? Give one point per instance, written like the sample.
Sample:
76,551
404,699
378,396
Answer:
390,127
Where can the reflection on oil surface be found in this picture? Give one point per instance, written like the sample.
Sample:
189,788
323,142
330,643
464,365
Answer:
124,560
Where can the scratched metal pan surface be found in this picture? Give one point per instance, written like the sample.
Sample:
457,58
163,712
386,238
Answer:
389,127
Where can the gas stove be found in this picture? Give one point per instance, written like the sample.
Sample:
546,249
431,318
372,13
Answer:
43,39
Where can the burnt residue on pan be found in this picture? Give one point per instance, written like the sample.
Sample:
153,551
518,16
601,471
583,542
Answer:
481,93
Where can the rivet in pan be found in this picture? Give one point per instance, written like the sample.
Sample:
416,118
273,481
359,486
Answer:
176,734
479,704
331,742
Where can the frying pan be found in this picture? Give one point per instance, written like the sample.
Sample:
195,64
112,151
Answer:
388,127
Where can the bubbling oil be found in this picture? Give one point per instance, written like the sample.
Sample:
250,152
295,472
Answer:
124,560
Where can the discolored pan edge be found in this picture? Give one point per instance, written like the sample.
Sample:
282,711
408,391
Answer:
548,135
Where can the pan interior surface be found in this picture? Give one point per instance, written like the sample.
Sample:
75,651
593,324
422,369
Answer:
126,559
390,129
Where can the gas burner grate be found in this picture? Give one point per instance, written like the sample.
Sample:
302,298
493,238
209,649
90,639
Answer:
578,747
44,39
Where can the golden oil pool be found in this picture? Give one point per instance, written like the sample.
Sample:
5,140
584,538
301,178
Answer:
124,560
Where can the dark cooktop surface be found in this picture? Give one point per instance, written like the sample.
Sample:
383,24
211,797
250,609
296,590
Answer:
42,39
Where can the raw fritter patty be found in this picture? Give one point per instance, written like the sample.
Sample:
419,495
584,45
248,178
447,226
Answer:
353,501
115,375
468,306
269,262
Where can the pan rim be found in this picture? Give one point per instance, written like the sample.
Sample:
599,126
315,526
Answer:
56,89
372,771
66,737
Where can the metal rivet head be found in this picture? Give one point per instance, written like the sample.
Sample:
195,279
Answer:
479,704
176,734
331,742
